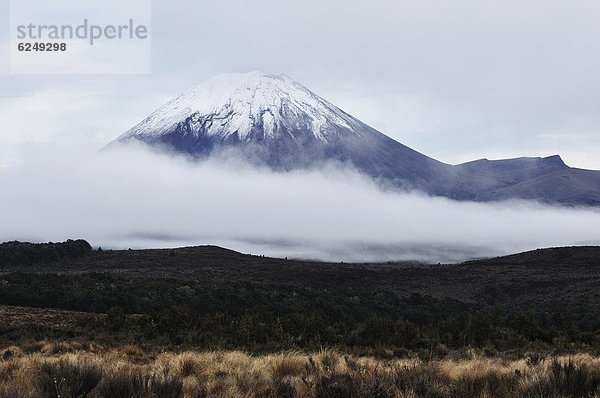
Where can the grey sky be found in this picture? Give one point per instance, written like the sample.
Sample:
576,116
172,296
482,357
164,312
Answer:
457,80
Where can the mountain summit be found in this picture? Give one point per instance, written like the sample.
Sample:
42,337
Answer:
247,107
275,121
272,120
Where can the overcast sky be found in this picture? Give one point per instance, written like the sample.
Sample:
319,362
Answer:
457,80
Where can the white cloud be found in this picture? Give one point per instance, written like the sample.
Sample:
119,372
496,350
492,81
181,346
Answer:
132,198
69,113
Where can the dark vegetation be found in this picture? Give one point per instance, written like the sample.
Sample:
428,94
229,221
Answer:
213,298
13,254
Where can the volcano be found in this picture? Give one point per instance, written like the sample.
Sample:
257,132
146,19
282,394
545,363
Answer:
271,120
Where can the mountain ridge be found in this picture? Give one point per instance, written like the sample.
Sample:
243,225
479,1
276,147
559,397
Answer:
272,120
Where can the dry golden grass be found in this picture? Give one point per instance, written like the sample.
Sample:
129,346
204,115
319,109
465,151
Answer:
63,370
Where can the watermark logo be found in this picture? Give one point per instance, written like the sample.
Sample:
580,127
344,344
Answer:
93,36
86,31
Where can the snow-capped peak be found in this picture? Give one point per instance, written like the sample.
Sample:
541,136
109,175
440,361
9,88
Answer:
241,104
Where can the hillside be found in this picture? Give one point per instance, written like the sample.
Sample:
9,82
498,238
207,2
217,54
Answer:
212,297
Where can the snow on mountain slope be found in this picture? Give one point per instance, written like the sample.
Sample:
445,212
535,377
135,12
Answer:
234,104
274,121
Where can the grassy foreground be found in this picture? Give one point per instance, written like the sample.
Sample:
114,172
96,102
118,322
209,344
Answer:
210,322
129,372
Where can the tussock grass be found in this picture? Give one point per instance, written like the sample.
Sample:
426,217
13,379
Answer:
127,372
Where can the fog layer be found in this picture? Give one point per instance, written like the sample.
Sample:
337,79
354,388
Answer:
132,198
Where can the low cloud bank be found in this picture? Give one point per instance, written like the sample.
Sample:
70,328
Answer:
132,198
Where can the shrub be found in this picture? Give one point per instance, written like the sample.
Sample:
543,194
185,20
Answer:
70,376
